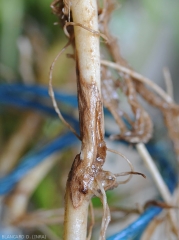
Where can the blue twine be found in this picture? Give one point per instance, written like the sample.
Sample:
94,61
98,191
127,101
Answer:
34,91
17,101
33,159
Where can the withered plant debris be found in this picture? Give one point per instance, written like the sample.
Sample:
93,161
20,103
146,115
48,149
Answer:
142,127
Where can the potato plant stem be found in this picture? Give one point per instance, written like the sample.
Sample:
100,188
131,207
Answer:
75,219
87,56
86,43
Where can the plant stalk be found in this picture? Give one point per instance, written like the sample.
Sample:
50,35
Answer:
81,178
75,223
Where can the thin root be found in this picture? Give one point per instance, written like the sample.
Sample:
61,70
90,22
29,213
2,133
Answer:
120,154
130,164
106,212
92,221
52,95
127,173
83,26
